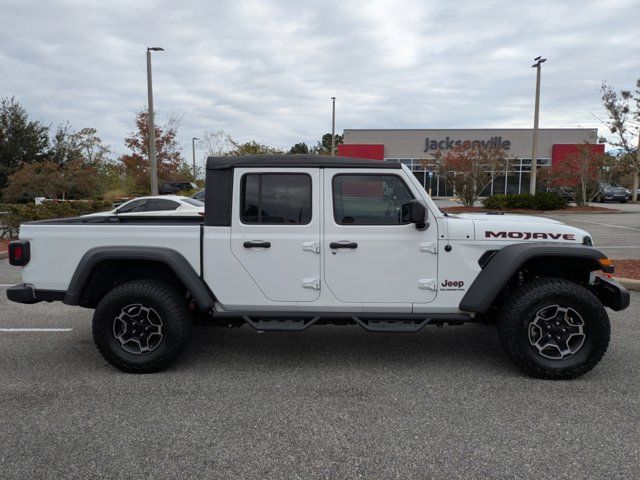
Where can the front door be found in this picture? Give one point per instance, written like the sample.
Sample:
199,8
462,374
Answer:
275,231
372,256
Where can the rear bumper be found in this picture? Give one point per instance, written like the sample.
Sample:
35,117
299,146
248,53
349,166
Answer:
611,293
26,293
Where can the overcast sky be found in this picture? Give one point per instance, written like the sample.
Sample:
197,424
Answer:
266,70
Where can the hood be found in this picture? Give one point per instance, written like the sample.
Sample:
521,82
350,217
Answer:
516,228
507,218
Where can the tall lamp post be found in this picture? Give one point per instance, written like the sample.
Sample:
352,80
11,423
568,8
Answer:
333,128
193,149
152,131
534,152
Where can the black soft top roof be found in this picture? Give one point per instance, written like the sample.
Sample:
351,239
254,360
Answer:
311,161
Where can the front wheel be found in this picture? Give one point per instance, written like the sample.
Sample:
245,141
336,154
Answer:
554,329
142,326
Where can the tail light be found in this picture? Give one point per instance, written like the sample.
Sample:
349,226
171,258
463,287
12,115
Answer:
19,253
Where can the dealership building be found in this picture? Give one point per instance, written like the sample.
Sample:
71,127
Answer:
416,148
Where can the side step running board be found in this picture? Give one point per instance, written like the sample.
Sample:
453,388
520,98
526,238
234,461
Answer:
392,326
281,325
390,323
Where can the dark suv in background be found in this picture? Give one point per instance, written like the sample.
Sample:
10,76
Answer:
610,192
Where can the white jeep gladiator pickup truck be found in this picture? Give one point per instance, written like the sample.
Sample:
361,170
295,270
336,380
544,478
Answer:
290,241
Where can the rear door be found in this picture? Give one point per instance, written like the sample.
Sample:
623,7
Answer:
373,257
275,231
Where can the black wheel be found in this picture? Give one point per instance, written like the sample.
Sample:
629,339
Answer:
555,329
142,326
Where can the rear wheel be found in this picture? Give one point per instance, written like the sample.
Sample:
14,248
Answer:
554,329
142,326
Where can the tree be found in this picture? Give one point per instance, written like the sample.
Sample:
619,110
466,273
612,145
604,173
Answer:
63,146
623,109
217,144
252,148
90,146
323,147
47,179
299,148
168,155
21,140
581,172
469,170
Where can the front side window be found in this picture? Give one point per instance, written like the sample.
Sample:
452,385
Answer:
283,198
132,207
369,199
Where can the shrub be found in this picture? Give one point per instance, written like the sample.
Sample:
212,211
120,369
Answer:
12,215
549,201
525,201
495,202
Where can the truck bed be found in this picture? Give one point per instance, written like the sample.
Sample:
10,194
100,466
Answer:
58,245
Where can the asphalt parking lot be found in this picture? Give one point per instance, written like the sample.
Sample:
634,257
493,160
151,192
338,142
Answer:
332,402
617,235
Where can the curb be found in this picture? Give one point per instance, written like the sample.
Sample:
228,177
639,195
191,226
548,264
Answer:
4,254
629,283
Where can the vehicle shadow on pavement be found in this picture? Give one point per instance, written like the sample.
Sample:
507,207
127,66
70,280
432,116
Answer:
467,346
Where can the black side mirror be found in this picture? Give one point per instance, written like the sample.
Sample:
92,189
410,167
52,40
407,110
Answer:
415,211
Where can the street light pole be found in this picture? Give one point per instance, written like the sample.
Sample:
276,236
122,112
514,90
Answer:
333,128
193,149
534,151
152,131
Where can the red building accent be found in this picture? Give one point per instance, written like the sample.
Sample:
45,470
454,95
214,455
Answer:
373,152
561,151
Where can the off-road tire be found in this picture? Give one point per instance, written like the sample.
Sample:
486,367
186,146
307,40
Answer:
520,310
171,307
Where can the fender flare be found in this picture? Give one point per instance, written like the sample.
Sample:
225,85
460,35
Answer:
506,262
173,259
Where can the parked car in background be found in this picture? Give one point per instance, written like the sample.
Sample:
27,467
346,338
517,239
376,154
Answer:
610,192
199,195
169,188
157,205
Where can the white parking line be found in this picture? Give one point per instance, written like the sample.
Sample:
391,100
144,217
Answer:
35,329
608,225
6,284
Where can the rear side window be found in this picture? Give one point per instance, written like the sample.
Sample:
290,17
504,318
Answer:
283,198
158,205
369,199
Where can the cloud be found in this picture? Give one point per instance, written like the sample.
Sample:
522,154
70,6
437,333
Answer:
266,70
